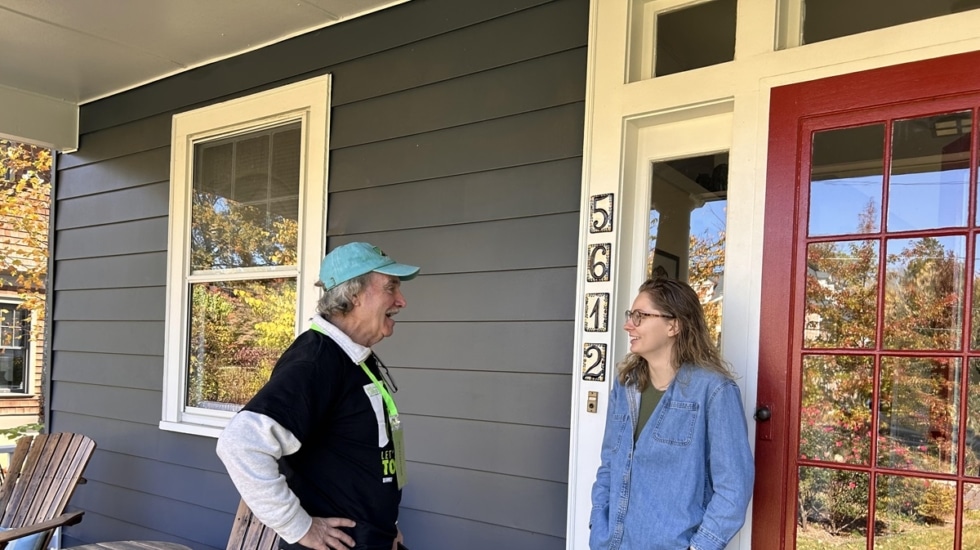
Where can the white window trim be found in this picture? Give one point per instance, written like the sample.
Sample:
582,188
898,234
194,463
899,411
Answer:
30,357
307,101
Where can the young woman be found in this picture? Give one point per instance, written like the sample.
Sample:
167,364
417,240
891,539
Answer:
676,469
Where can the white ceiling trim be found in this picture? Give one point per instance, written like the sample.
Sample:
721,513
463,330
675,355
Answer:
375,6
73,53
38,119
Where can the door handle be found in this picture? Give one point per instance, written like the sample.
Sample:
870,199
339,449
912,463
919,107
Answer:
762,414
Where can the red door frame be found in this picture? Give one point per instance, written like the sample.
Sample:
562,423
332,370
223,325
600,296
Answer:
774,512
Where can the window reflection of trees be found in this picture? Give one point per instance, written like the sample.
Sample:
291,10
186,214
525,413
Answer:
238,329
226,234
687,228
924,293
244,240
888,297
918,406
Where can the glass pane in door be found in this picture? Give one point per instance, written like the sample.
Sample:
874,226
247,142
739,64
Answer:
971,464
847,172
688,218
924,293
904,504
930,172
835,419
832,505
918,413
971,515
841,294
975,309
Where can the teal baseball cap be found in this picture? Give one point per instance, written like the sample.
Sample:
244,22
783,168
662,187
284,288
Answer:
355,259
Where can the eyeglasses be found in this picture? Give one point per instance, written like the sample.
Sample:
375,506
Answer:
386,375
638,316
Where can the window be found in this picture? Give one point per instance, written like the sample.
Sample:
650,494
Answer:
15,348
812,21
247,232
674,36
688,223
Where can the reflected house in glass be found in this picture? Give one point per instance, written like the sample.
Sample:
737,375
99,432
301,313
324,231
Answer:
814,329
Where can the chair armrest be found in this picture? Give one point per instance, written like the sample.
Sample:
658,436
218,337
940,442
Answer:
71,518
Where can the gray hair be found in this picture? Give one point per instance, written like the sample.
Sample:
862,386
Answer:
339,300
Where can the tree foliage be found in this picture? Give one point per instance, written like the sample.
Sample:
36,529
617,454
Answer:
705,270
227,234
912,424
238,328
706,267
25,190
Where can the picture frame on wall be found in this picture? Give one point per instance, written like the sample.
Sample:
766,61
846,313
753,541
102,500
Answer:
664,264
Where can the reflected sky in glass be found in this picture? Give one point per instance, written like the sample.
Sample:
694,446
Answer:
928,200
837,205
846,180
928,183
930,172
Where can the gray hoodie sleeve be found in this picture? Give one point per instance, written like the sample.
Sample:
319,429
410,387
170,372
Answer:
250,447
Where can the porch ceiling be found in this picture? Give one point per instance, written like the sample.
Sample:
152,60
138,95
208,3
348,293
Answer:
61,54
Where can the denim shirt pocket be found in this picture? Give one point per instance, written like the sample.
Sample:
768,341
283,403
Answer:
675,424
618,425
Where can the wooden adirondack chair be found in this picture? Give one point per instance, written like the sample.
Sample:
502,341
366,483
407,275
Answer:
44,471
248,533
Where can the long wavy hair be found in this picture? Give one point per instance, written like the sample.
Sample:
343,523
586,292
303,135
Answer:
692,345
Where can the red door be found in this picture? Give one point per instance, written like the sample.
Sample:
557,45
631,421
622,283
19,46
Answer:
870,333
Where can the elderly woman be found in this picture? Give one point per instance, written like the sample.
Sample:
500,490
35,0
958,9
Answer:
676,468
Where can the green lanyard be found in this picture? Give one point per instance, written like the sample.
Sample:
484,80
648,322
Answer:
389,401
397,437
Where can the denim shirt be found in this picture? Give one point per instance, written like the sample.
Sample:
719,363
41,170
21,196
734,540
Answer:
688,480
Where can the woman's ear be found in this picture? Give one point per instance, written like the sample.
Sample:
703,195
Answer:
673,327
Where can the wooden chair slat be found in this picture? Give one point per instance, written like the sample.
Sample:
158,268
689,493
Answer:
36,462
14,468
50,467
42,482
55,484
75,468
248,533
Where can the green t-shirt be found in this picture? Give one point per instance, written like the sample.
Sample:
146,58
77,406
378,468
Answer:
648,401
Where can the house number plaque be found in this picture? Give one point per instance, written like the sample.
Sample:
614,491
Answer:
597,312
600,258
594,362
601,213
